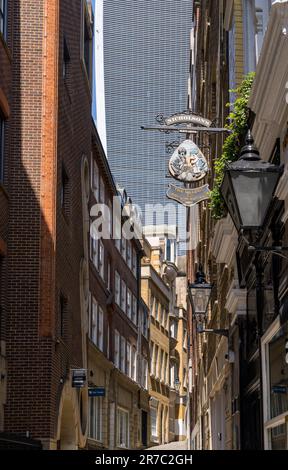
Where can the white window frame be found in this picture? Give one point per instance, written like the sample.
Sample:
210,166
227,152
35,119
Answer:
128,359
117,288
152,352
122,354
123,412
101,258
134,310
156,309
129,303
94,320
145,374
154,422
133,363
123,295
94,249
166,378
160,369
134,261
100,339
96,413
269,423
3,18
110,212
156,362
117,349
109,274
152,305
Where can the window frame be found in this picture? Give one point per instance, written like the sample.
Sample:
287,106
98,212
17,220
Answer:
123,411
123,295
129,303
117,348
94,320
3,19
100,332
101,258
268,422
96,403
134,310
123,354
117,288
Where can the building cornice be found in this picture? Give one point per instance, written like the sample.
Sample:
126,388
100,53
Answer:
236,302
224,241
148,272
268,96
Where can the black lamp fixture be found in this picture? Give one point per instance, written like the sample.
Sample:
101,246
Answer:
199,294
248,187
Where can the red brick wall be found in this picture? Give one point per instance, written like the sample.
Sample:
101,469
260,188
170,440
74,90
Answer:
5,101
48,127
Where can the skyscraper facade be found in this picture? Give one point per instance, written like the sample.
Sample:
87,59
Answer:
146,65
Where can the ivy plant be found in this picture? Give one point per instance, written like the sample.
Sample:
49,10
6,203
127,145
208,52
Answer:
237,124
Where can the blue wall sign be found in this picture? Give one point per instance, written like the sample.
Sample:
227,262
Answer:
96,392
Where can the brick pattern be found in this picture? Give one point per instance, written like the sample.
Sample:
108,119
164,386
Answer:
48,127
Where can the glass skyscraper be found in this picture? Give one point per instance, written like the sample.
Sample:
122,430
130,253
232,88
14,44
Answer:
146,45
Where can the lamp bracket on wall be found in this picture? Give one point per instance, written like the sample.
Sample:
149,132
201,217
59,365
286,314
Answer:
220,331
275,250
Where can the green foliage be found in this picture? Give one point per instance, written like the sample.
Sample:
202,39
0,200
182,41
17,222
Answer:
237,123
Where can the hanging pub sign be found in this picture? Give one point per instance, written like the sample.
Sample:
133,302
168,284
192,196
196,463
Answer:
188,197
188,163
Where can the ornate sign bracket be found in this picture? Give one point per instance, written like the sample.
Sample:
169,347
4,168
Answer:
187,163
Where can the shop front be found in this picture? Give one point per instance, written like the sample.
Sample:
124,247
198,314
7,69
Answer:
275,383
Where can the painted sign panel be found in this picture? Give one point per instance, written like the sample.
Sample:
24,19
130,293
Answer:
188,163
96,392
187,119
188,197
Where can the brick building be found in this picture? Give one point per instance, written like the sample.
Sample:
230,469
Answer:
226,387
166,297
5,113
118,348
48,133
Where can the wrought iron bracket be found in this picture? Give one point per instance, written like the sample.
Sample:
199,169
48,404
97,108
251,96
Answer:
275,250
221,331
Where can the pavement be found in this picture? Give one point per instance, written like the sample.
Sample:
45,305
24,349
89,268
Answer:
178,445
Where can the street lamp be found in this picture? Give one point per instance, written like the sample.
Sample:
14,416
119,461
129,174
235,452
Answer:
248,187
199,294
